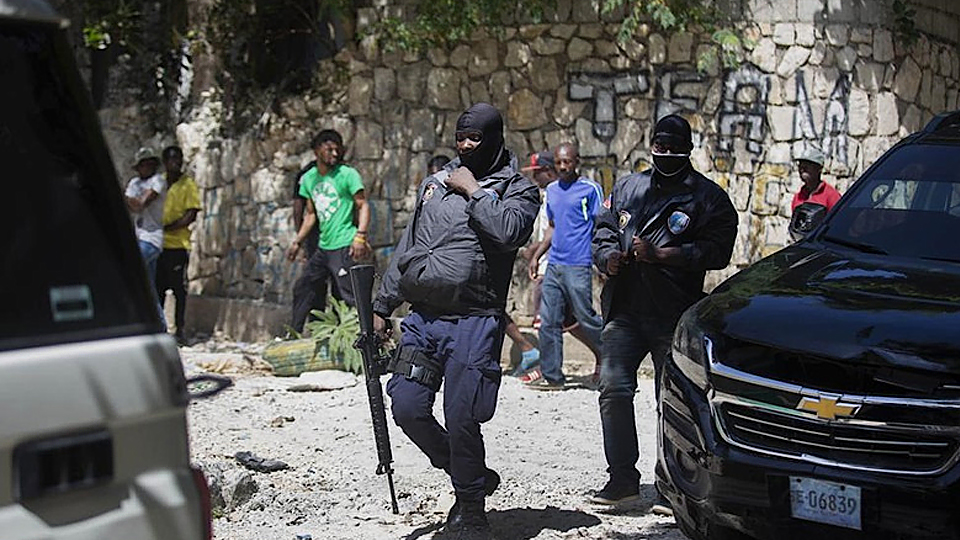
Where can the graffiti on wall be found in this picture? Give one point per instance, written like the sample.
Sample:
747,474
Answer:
603,89
833,138
743,110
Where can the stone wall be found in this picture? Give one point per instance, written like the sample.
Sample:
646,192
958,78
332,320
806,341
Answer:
825,73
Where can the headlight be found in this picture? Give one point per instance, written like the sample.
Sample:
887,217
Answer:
690,349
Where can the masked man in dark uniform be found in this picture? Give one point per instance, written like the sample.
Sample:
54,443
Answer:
453,265
661,231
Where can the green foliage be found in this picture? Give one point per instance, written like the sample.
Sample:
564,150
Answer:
106,22
903,21
442,23
338,327
680,15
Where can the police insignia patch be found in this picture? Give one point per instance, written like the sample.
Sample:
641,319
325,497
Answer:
624,219
678,222
428,192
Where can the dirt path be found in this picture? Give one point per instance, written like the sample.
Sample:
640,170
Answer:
546,446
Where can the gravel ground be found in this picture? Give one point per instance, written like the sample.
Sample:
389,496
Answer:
545,445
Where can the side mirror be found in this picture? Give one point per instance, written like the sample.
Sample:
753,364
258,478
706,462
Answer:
806,217
207,385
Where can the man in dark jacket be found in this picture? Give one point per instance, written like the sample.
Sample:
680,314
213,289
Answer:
661,230
453,265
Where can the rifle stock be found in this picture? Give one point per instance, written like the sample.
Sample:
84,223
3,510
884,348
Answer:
361,276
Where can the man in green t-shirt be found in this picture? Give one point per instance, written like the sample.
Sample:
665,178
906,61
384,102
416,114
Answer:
336,202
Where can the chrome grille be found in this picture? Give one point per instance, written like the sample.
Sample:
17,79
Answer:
847,445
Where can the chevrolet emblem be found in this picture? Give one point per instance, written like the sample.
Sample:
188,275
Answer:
828,408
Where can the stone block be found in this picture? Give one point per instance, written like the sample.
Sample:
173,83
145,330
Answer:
359,94
861,34
590,31
938,94
874,147
869,75
846,58
906,84
266,186
794,58
779,153
926,89
883,46
946,63
824,81
421,123
657,49
590,145
837,34
911,119
525,111
563,31
810,10
805,34
859,112
500,89
780,119
384,84
769,188
842,10
411,80
443,88
578,49
888,117
586,11
460,56
485,59
629,136
544,75
368,143
681,46
764,55
784,34
738,188
606,48
864,51
518,54
548,46
478,91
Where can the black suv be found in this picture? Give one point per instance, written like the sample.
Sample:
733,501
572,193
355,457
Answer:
818,391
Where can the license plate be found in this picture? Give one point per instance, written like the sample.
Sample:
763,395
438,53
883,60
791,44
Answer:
825,502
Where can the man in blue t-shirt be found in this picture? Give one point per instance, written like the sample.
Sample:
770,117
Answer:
572,204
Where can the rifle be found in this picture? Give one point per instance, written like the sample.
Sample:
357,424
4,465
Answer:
374,365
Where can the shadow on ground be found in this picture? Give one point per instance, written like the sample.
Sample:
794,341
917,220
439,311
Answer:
521,523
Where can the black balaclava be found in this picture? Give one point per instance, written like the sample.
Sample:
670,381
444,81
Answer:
674,131
490,155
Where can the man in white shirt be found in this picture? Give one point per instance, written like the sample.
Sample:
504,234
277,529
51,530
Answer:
144,197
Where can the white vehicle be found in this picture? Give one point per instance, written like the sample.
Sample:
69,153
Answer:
93,435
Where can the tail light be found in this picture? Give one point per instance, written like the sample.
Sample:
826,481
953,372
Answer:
206,514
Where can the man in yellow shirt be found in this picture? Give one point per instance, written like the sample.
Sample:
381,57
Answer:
179,211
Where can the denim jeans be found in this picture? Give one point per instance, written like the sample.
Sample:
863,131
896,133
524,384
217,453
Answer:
150,254
562,286
627,339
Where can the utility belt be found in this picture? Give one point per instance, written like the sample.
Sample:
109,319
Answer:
413,364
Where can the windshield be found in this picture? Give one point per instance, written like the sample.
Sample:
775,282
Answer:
909,206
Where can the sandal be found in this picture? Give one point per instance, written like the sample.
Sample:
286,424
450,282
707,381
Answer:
531,376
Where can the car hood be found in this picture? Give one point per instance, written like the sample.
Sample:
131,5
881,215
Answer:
845,305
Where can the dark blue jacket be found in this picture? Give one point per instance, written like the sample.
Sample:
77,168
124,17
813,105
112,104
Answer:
695,215
456,255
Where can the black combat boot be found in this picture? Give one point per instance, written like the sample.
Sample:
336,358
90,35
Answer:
491,482
470,523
